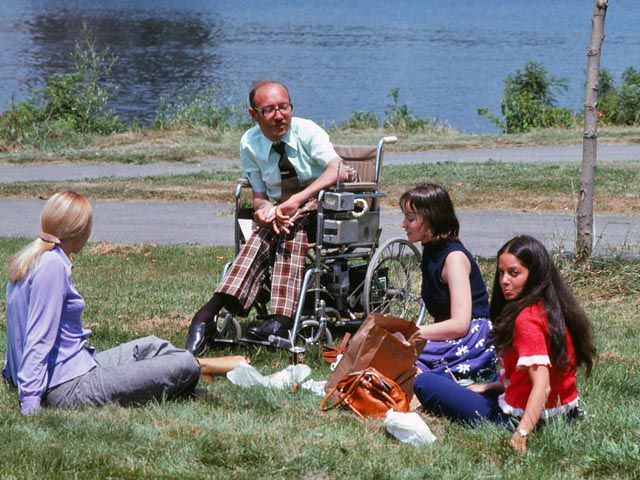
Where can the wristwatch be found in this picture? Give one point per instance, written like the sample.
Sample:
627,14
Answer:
522,432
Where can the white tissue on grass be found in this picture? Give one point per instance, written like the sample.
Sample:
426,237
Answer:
315,386
408,428
247,376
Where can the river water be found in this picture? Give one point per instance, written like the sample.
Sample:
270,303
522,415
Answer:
448,58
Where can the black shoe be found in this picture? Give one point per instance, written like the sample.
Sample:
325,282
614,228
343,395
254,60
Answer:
199,336
266,329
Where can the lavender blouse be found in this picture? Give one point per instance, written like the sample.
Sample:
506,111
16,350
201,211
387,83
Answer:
46,344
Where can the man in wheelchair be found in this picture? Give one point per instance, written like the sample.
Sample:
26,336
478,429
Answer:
287,161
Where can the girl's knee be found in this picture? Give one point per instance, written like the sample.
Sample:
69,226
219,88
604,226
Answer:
422,382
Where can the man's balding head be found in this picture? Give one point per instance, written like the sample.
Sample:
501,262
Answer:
263,83
270,107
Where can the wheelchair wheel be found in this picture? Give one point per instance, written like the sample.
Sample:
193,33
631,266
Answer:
310,332
228,327
393,280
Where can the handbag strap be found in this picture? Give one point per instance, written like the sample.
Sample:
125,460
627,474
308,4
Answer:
406,376
350,381
330,354
347,385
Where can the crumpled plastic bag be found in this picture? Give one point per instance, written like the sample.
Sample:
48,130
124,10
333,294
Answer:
315,386
408,428
248,376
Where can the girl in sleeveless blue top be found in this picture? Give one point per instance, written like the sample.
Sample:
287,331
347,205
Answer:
453,290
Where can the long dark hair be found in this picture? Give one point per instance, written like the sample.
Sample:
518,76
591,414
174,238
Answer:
544,283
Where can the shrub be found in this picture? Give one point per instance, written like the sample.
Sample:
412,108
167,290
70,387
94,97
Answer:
400,118
362,120
187,109
529,101
619,105
74,102
607,96
627,110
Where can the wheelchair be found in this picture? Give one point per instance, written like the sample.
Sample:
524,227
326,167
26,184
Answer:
348,274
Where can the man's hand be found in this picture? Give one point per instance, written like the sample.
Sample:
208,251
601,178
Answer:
288,208
265,216
284,213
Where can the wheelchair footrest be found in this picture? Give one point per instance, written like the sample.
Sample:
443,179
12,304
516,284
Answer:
246,341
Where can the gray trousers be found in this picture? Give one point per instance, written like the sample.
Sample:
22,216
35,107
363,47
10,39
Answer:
135,372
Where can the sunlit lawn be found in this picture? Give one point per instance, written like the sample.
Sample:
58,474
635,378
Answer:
230,432
193,143
491,185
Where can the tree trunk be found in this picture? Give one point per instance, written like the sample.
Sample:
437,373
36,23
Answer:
584,237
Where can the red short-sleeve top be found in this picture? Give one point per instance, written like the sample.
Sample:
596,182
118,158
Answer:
531,347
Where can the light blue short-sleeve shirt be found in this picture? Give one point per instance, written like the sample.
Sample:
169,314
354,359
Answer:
308,148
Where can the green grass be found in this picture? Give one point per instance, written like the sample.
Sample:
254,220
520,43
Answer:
490,185
526,186
230,432
191,144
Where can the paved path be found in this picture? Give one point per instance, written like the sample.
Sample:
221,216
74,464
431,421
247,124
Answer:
211,224
550,154
79,171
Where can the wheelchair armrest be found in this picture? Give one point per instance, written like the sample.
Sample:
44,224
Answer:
357,187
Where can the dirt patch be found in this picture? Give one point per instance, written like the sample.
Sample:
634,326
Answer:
106,248
172,322
617,358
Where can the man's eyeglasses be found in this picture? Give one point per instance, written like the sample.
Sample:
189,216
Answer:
270,110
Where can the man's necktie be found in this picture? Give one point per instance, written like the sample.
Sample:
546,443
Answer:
286,169
288,175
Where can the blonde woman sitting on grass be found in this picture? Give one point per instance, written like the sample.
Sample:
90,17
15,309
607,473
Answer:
47,355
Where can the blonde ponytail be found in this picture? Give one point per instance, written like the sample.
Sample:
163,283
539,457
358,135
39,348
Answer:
20,263
66,215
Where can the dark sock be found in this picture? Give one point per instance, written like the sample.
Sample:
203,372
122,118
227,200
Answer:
286,322
209,309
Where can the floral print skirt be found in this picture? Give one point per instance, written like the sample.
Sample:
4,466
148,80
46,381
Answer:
465,358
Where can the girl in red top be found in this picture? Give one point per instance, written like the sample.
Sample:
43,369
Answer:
542,335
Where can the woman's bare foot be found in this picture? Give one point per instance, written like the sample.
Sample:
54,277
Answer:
212,367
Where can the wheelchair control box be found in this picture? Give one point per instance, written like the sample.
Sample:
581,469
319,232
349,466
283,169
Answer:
338,201
348,219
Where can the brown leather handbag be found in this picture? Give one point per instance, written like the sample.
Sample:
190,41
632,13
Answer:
389,344
368,393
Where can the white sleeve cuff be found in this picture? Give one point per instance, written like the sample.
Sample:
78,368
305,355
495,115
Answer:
525,362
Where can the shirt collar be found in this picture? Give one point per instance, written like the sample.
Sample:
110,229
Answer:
266,143
63,255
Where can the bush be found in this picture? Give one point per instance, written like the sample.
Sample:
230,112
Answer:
619,105
400,118
74,102
607,96
188,109
362,120
529,101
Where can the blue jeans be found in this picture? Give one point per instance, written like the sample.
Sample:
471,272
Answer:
441,395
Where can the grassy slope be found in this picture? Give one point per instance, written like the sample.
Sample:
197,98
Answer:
195,143
230,432
526,187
